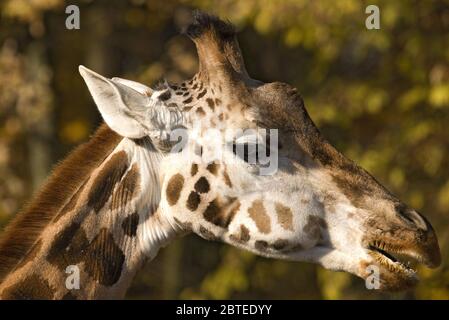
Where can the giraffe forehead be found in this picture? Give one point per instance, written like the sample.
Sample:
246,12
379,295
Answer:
205,101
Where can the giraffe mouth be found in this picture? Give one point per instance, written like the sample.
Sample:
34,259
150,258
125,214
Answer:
396,259
397,266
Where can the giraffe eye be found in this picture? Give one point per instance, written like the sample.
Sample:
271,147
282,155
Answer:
251,152
252,148
241,151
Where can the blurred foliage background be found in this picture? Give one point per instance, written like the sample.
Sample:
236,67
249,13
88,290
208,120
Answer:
381,96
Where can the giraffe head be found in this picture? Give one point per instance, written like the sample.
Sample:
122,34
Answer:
241,162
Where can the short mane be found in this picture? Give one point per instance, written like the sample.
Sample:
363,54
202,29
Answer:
66,178
203,23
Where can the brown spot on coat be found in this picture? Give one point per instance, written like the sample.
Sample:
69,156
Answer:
202,94
285,216
111,173
60,253
212,212
280,244
68,246
193,201
104,259
213,168
194,169
215,214
33,287
187,100
242,236
235,207
227,179
165,95
130,223
261,245
312,227
207,234
174,188
185,226
127,188
200,111
210,103
202,185
258,213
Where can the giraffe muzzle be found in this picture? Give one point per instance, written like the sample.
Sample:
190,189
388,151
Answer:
398,252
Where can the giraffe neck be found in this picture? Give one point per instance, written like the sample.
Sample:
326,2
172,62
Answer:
102,236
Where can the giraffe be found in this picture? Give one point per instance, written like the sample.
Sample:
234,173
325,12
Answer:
116,200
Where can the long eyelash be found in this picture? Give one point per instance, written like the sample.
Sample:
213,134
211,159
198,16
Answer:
246,151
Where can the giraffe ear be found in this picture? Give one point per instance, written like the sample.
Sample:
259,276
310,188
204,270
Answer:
120,102
139,87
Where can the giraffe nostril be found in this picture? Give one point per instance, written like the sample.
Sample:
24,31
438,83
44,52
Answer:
425,239
419,221
411,216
